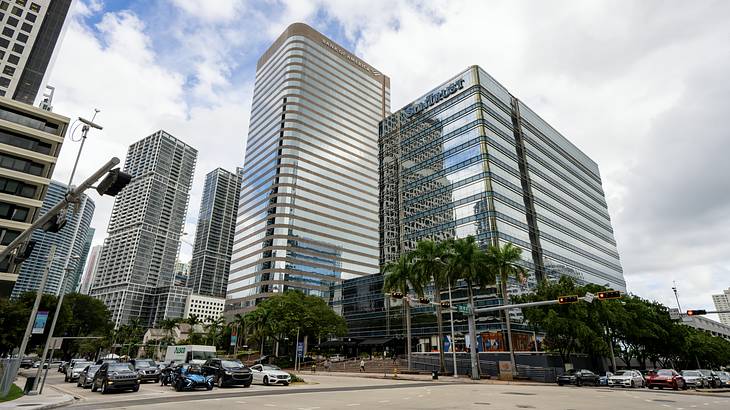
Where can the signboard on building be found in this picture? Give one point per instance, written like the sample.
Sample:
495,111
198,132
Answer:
40,322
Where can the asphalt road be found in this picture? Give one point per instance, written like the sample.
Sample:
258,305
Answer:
337,392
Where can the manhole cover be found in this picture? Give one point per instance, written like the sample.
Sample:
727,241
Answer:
519,393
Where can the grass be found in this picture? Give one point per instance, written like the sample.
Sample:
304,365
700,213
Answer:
296,379
13,394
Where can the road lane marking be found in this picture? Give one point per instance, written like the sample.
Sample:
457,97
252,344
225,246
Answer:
384,401
353,404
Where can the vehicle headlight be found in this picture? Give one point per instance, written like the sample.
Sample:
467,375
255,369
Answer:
228,373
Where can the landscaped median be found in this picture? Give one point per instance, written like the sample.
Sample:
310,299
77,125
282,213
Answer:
50,399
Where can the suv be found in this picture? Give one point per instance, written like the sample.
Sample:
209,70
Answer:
115,376
228,372
147,369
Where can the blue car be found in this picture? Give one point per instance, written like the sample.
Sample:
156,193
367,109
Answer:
190,377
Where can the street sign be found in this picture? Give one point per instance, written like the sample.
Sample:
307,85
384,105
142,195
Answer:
39,325
674,314
589,297
463,309
300,349
56,343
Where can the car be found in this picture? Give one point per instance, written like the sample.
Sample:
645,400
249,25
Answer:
147,370
62,367
73,371
115,376
713,380
603,380
724,379
86,377
102,361
694,378
26,363
228,372
626,378
578,378
668,378
337,358
269,374
189,376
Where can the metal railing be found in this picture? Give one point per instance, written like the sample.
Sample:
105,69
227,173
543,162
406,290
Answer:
8,370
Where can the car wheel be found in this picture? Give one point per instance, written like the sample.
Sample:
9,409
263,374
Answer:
219,382
286,383
684,385
266,380
247,385
633,385
135,388
103,388
650,387
578,382
209,386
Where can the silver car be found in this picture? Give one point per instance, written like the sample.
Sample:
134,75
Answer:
74,370
86,377
626,378
694,379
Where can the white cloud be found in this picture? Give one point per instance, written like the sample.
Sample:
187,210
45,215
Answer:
211,10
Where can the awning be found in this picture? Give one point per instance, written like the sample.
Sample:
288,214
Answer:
376,342
338,343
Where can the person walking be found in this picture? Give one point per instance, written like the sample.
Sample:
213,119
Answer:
327,365
362,365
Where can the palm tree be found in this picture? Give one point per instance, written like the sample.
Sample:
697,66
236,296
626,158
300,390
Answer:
504,262
430,267
169,325
238,323
400,277
213,330
258,322
468,262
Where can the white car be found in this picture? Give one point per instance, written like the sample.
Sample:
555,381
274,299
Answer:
626,378
269,374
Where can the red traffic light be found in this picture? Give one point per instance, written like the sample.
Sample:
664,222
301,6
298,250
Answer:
568,299
609,294
696,312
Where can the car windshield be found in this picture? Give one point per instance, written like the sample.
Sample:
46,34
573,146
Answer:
192,369
81,365
232,364
691,373
120,367
623,373
664,373
144,363
272,367
705,372
94,368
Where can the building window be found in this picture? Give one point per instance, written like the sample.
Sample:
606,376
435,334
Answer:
18,48
9,70
23,38
17,11
12,58
4,82
8,32
12,21
4,5
30,17
35,7
4,42
26,27
7,236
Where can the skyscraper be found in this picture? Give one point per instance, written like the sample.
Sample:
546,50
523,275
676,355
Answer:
29,38
308,209
145,227
69,241
211,260
30,141
469,158
83,257
722,303
92,263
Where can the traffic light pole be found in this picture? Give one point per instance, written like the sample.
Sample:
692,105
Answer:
528,304
72,196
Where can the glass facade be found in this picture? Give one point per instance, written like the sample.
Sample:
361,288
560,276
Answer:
308,210
468,158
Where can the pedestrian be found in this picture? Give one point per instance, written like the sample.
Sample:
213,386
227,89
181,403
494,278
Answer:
327,365
314,367
362,365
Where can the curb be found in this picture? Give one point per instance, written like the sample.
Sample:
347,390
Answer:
70,400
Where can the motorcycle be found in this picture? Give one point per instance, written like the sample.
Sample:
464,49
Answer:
168,376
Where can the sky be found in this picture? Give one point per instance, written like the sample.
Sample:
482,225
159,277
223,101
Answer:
640,87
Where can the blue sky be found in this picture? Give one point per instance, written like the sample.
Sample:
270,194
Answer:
637,86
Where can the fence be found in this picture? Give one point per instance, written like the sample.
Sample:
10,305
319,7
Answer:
489,365
8,370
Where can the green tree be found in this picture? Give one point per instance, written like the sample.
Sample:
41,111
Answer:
467,262
401,277
505,263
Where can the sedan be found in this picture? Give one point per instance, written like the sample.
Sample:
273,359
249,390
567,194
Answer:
74,370
269,374
626,378
86,377
694,378
724,379
666,378
228,372
578,378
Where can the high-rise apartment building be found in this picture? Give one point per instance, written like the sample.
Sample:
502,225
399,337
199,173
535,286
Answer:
469,158
92,263
31,30
69,241
211,260
722,303
83,256
308,209
144,230
182,273
30,141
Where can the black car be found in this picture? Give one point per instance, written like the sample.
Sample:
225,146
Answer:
115,376
578,378
228,372
147,370
713,380
189,376
86,378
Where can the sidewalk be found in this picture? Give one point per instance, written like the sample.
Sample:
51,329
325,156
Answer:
50,399
420,377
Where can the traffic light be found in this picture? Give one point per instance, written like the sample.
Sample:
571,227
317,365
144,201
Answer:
445,304
424,301
56,223
396,295
696,312
114,182
609,294
567,299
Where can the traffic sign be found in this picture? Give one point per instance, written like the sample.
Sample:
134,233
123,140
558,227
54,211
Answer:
589,297
300,349
463,309
674,314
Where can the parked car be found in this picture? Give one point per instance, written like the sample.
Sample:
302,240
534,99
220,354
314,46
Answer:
102,361
26,363
228,372
713,380
86,377
147,370
189,376
115,376
337,358
603,380
73,371
668,378
724,379
270,374
578,378
694,378
626,378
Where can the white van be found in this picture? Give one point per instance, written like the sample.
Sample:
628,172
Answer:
189,354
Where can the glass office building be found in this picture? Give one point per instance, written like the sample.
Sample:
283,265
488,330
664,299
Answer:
308,210
469,158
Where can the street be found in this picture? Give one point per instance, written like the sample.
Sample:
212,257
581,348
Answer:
337,392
